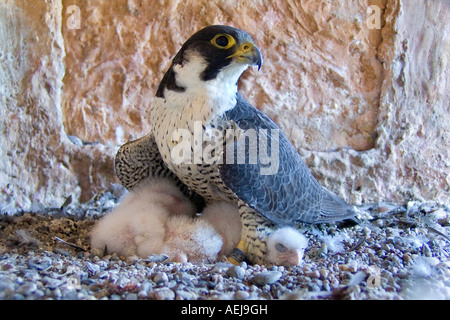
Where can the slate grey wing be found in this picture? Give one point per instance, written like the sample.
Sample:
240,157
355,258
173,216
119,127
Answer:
140,159
290,193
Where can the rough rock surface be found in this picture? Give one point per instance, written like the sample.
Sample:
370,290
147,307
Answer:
366,105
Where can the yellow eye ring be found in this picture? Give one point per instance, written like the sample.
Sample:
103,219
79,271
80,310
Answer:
223,41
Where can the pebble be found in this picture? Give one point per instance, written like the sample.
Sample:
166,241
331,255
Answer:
241,295
52,283
426,250
27,288
131,296
160,277
268,277
185,295
164,294
42,263
314,274
92,268
236,272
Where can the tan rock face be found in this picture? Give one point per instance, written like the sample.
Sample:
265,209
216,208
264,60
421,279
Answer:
39,165
320,80
365,103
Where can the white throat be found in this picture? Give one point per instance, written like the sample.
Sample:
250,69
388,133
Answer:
218,94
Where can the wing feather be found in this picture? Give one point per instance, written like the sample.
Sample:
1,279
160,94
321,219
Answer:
288,195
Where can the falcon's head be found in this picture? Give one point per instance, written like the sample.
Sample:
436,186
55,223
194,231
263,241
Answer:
285,246
215,52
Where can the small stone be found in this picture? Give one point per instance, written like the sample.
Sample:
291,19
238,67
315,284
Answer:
314,274
131,296
133,259
324,273
61,251
267,277
407,257
27,289
313,287
18,296
241,295
323,250
157,258
146,286
426,250
185,295
186,278
122,282
366,231
92,268
160,277
236,272
52,283
40,263
164,294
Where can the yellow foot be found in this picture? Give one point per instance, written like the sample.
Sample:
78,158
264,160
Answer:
238,254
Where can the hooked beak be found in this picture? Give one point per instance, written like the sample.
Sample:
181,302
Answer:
248,53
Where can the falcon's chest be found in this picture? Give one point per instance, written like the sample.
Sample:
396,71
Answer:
182,119
184,126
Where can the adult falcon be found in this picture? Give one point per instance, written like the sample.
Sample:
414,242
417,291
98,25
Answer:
201,124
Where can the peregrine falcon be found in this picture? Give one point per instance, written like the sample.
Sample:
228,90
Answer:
218,147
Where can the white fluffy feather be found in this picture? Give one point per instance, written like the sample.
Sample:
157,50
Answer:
224,217
156,218
285,246
192,240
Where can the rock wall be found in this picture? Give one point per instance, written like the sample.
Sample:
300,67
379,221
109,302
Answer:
359,87
39,165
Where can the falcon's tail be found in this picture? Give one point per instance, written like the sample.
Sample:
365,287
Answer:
335,209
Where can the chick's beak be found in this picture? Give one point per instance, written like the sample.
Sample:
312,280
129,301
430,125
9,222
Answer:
292,258
247,53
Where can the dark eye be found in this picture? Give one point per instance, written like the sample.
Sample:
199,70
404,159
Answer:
280,247
222,41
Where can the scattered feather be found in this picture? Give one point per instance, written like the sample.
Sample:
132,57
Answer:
26,239
335,243
422,267
69,244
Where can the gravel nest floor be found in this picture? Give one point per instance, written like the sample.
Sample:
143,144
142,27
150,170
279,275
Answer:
397,252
